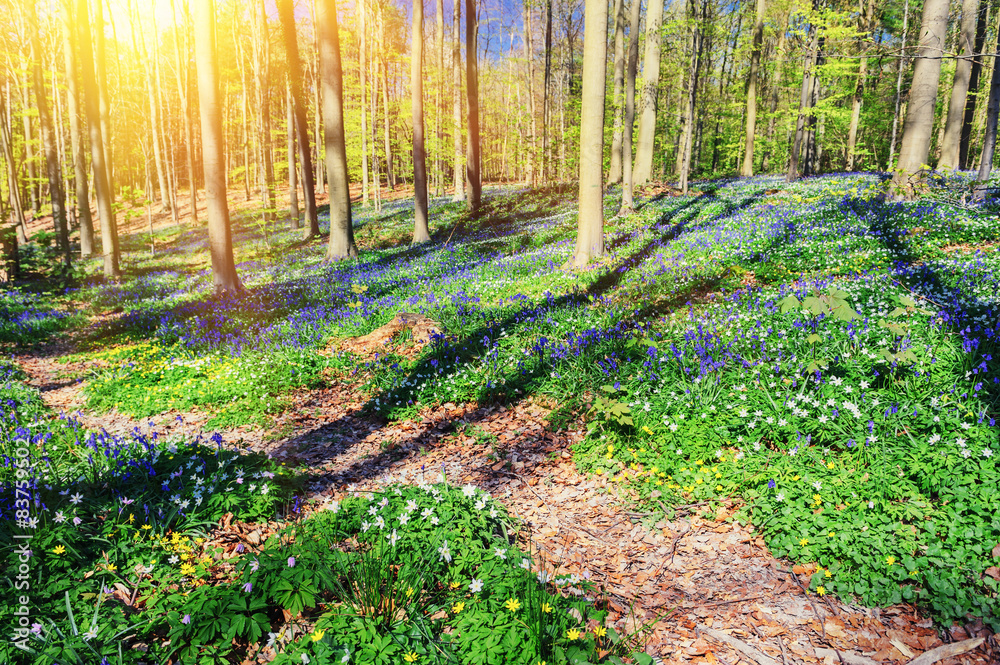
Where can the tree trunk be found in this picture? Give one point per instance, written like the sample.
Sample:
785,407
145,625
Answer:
529,55
590,222
456,100
805,101
420,231
100,63
643,168
472,160
751,92
76,139
212,144
960,87
775,96
184,88
363,75
697,39
438,108
917,129
899,86
990,139
973,95
867,18
109,229
546,94
29,140
293,185
299,112
331,79
617,100
153,107
628,181
262,56
318,105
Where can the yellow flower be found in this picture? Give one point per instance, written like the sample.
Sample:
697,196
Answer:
58,549
513,604
146,526
831,534
455,585
821,590
914,573
796,477
830,465
457,607
828,574
804,542
572,634
187,569
817,498
409,592
600,631
131,518
890,560
411,657
546,608
318,635
112,567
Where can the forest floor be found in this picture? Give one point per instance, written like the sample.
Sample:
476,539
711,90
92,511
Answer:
674,575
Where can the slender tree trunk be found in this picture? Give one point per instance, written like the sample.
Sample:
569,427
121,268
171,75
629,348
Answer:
318,105
899,86
244,124
751,91
100,63
220,240
628,181
299,112
805,101
139,44
917,129
472,160
262,56
973,96
53,170
438,108
546,94
990,139
775,96
529,55
331,79
960,87
293,185
696,46
184,87
76,139
617,100
15,194
456,100
643,169
29,139
590,223
867,17
109,229
363,74
386,127
420,231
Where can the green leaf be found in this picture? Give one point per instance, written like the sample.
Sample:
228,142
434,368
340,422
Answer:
813,338
788,303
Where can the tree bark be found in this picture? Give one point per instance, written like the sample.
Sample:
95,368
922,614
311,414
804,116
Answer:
184,88
331,78
220,240
420,231
990,139
973,95
546,95
262,56
456,100
899,86
805,103
590,222
617,100
438,107
697,39
472,161
299,112
628,181
293,185
363,75
100,63
52,167
643,168
751,92
960,88
867,18
76,138
529,55
917,129
318,104
109,229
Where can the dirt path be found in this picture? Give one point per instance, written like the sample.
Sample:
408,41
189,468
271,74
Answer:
698,572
